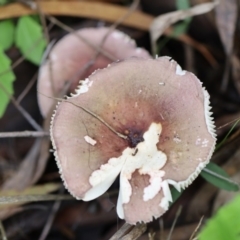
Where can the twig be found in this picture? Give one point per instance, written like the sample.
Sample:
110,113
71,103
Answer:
91,113
196,229
51,217
22,58
226,124
69,29
32,198
3,233
132,8
226,74
226,137
23,134
122,231
25,114
161,223
27,88
174,222
43,21
136,232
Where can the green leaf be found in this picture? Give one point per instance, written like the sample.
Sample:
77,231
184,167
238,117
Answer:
7,30
218,177
2,2
182,4
30,39
175,194
182,27
6,79
225,224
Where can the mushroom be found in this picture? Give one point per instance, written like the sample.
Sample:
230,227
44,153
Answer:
146,120
70,56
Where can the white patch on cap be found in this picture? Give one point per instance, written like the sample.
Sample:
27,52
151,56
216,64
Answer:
155,185
90,140
179,71
148,161
103,178
167,195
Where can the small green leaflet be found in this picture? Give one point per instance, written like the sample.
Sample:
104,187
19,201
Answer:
2,2
175,194
218,177
182,27
225,224
182,4
6,79
7,30
30,39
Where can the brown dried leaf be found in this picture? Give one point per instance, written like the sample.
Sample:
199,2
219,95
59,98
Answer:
226,17
162,22
23,176
97,10
38,189
11,197
22,199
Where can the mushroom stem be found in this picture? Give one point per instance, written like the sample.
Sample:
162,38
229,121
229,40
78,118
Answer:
91,113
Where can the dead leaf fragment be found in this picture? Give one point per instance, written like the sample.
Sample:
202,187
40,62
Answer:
226,17
162,22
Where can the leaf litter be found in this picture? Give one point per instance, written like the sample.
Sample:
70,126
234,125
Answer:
32,167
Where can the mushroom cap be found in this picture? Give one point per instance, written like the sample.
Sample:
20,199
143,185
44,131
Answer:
164,113
70,56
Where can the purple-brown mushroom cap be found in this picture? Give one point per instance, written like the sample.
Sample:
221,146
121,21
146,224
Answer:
164,114
70,56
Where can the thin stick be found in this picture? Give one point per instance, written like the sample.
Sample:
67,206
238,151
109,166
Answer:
25,114
27,88
43,21
3,233
174,222
91,113
69,29
6,200
132,8
136,232
51,218
23,134
122,231
196,229
226,137
226,124
22,58
161,223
